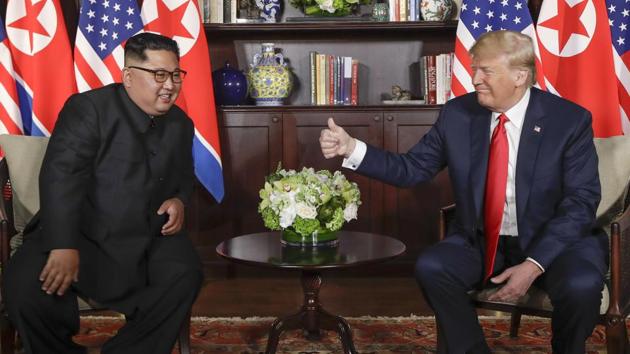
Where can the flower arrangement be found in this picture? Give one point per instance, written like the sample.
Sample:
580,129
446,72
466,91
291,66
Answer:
308,203
327,7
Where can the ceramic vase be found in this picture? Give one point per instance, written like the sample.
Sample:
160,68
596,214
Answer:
230,85
436,10
269,77
270,10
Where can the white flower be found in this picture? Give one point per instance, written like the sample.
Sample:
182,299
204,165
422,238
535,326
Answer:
287,215
350,212
305,211
327,5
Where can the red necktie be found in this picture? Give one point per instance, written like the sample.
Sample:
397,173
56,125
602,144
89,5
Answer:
496,182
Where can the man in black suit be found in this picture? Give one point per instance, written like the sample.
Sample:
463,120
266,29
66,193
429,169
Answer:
115,178
523,169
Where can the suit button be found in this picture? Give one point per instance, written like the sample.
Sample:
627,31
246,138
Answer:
153,152
161,179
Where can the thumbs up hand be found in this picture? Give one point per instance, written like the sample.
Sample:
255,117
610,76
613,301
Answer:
334,141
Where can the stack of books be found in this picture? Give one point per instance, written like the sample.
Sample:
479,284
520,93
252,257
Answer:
435,77
404,10
334,79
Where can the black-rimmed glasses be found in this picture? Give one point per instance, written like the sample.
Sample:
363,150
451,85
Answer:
177,76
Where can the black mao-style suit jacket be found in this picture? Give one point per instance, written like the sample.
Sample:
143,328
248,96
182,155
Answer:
107,169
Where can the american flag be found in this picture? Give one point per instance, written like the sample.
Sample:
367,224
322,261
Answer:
478,17
10,116
619,21
104,25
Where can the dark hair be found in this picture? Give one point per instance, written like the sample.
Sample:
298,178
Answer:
138,44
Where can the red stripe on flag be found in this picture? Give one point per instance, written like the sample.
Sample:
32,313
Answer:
8,123
113,68
624,98
462,55
540,75
86,71
457,88
626,59
8,82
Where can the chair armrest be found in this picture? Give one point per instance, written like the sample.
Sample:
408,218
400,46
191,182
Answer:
620,265
447,213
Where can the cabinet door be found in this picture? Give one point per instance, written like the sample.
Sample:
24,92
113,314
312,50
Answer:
301,130
412,214
251,146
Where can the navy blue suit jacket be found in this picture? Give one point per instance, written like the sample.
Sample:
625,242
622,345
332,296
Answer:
557,182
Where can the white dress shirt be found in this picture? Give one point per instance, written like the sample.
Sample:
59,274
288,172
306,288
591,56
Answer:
513,127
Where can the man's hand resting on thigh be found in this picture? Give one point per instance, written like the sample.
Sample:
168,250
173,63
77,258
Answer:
519,278
61,269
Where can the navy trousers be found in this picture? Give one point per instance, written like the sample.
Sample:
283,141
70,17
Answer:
447,271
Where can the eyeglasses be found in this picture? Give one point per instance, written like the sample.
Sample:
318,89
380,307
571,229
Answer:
162,75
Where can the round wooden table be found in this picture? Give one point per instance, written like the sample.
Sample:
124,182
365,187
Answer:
354,249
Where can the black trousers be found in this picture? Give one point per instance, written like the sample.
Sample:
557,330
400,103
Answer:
46,323
451,268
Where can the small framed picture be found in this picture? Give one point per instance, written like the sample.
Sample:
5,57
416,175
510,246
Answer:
247,11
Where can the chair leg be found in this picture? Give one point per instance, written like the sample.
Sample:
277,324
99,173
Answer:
184,337
616,336
7,340
515,322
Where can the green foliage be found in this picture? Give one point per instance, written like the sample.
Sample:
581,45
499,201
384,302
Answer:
327,7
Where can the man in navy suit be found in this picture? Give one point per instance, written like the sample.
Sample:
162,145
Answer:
523,168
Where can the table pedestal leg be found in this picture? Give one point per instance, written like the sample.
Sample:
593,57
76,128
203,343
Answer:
312,318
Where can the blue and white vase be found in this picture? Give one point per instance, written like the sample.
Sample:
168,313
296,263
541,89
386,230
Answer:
270,10
269,77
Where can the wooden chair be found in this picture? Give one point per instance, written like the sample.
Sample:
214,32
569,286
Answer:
7,234
616,295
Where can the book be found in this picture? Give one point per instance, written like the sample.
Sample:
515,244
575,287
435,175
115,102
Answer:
331,80
347,80
354,91
432,82
216,11
312,59
321,79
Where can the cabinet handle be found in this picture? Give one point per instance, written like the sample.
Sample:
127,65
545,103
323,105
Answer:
275,119
390,118
377,118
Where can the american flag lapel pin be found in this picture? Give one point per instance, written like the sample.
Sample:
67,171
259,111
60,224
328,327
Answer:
537,129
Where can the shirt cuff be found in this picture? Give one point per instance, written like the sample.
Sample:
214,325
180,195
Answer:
355,159
536,263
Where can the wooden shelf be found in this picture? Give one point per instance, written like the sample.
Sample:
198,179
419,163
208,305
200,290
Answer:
309,108
307,28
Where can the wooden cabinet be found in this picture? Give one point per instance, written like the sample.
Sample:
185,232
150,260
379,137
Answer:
411,214
251,146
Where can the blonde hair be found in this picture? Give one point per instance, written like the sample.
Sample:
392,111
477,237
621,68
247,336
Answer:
517,48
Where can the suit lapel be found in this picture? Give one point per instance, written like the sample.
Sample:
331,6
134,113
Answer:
479,146
531,136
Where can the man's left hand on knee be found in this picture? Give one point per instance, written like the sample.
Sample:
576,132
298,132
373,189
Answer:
518,280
